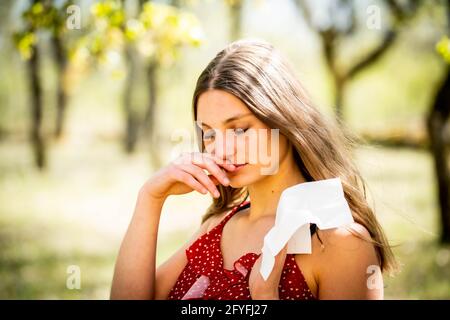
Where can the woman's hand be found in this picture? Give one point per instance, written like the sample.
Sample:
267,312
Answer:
185,174
267,290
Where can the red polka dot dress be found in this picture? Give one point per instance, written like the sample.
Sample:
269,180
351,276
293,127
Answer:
205,278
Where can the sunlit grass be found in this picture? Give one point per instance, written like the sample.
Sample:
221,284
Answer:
74,214
77,212
402,185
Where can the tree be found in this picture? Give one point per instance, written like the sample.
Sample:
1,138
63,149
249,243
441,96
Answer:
437,120
341,24
154,36
42,16
60,53
235,14
133,65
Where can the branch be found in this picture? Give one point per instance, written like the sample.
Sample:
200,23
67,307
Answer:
327,37
303,8
374,56
401,15
405,11
395,9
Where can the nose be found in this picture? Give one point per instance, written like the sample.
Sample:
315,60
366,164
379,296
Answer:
224,146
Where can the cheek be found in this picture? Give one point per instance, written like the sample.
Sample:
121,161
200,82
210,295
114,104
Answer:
259,145
282,147
270,143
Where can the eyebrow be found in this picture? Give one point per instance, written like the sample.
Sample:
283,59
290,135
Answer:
231,119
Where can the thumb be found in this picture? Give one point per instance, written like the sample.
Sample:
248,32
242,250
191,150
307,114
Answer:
280,258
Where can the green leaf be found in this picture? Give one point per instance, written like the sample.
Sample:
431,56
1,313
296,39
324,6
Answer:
443,48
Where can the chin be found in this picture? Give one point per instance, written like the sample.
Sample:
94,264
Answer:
244,180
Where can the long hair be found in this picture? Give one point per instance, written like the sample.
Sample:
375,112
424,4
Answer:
259,75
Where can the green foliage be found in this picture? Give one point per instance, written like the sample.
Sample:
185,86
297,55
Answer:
24,42
158,32
109,12
40,16
443,48
166,30
43,16
233,2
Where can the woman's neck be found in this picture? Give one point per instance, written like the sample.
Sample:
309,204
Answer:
265,194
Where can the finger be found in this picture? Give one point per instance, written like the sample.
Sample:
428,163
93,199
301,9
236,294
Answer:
201,177
213,168
189,180
279,261
226,164
214,179
189,157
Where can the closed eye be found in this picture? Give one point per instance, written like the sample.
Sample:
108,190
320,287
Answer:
239,131
210,133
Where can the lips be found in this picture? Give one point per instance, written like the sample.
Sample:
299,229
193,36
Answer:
239,166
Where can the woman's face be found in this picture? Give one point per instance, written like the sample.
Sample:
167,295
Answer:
232,132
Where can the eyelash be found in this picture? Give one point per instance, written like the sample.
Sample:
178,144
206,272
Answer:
243,131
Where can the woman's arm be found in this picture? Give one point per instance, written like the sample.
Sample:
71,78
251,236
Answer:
133,280
134,274
348,266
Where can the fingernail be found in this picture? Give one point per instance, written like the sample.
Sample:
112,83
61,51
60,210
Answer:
226,180
216,194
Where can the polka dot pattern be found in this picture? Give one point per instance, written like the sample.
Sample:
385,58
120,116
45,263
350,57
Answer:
205,278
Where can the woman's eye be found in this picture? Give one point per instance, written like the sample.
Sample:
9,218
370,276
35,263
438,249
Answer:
239,131
208,134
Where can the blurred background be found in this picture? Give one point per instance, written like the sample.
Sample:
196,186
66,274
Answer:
96,95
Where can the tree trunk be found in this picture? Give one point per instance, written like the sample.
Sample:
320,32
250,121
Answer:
150,115
61,99
36,135
329,48
235,11
132,124
436,124
339,97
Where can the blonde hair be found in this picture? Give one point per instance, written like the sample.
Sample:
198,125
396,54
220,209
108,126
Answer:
256,73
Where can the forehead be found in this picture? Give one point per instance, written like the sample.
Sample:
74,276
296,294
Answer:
214,106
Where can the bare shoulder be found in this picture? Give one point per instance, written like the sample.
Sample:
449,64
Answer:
352,241
350,236
346,249
344,264
214,220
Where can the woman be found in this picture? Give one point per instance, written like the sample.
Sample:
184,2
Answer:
250,87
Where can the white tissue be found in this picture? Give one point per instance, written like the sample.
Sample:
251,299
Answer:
320,202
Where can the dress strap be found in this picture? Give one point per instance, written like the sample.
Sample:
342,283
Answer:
241,206
246,204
